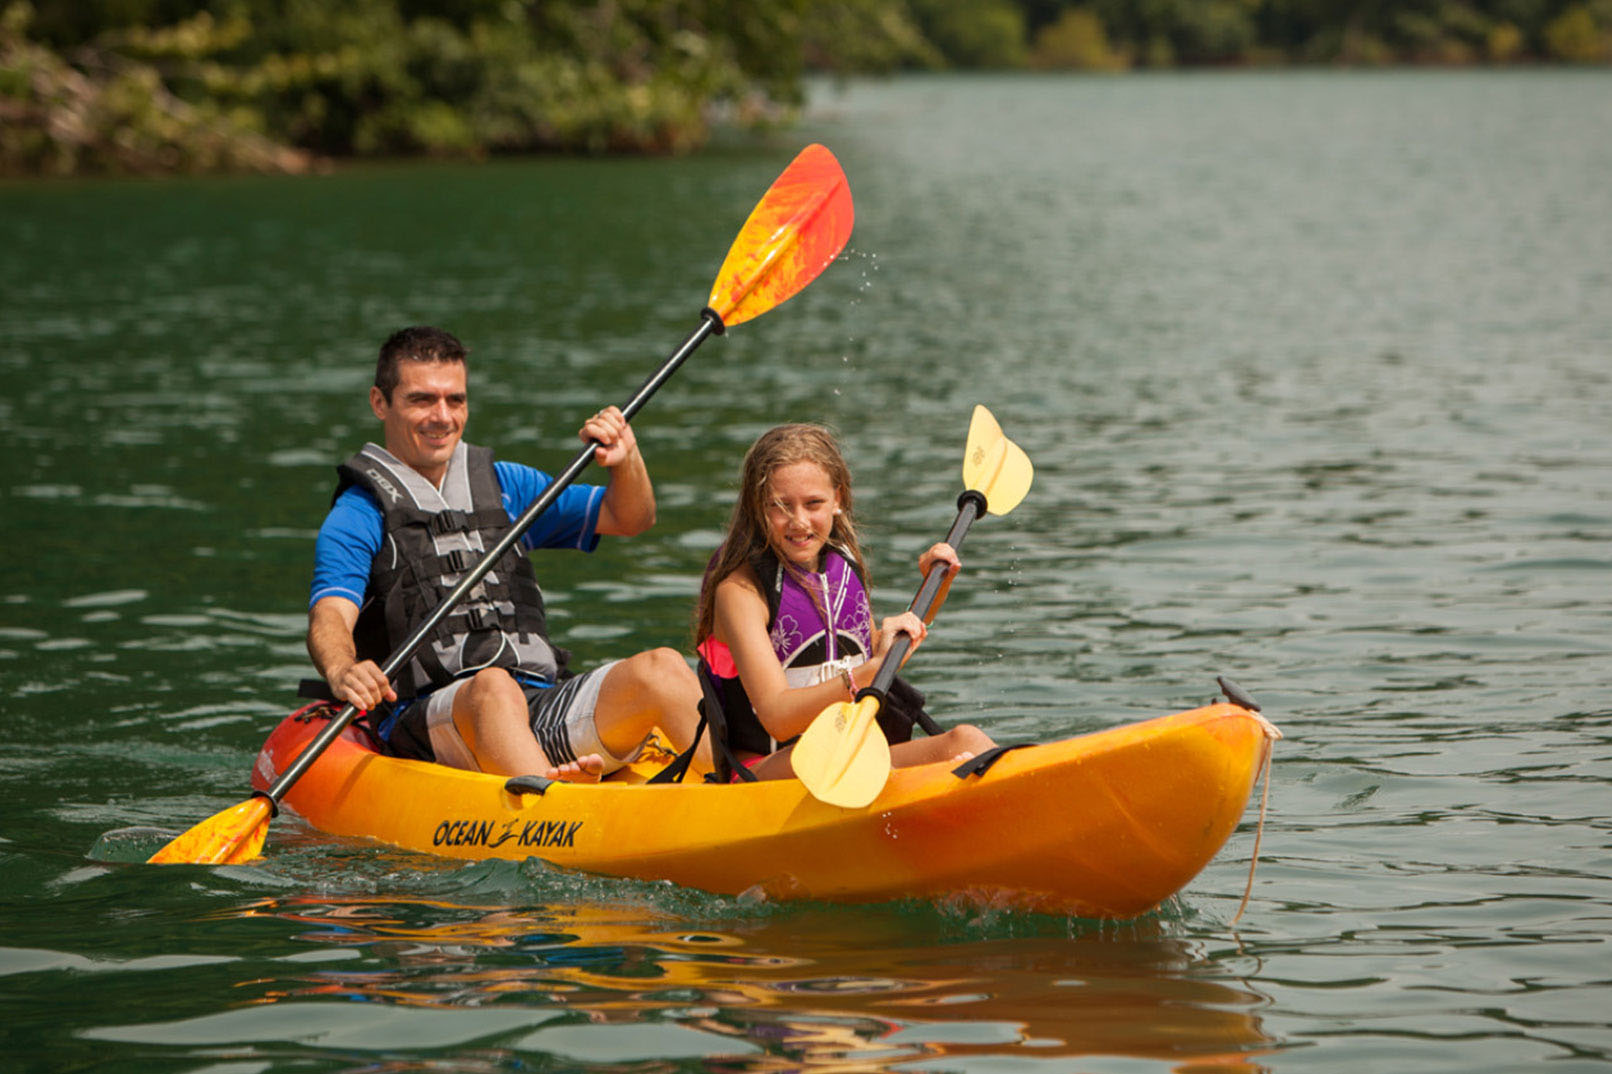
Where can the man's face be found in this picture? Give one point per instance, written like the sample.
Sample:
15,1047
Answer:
426,415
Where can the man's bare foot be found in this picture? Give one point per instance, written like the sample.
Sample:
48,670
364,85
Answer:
589,768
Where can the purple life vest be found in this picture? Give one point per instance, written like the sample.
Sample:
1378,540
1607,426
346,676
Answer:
809,648
816,632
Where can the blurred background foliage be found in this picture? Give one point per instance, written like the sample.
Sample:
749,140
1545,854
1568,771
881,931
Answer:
132,86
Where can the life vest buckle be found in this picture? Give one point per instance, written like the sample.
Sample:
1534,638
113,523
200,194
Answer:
446,522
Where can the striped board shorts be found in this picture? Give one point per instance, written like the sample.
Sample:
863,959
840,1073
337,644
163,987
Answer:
561,716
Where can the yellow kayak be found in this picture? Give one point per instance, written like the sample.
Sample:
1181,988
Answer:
1108,824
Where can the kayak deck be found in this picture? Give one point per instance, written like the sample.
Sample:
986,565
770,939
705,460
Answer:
1108,824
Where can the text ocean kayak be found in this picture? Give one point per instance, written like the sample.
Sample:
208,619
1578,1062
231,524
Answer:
1108,824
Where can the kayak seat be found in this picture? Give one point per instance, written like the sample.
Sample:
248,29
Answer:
315,690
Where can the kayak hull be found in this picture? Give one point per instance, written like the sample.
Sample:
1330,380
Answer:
1105,825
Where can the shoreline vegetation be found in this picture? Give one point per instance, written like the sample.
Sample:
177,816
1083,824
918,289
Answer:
130,87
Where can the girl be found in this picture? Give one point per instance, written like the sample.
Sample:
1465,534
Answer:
783,621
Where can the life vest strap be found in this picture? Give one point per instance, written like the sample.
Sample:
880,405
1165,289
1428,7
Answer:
726,762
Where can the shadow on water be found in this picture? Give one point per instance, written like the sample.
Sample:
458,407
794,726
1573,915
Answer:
624,983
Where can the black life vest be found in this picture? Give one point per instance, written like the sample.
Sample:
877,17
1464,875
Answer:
432,537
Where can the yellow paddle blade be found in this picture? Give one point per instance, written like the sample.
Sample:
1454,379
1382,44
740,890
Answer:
796,230
995,466
226,838
843,758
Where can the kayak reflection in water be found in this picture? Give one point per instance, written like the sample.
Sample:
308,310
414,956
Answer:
488,691
783,625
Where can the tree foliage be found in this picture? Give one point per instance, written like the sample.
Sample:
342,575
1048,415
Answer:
82,80
146,85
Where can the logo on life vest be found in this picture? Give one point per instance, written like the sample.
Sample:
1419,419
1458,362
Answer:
491,834
384,485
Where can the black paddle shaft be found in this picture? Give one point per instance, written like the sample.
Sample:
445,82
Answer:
970,505
710,325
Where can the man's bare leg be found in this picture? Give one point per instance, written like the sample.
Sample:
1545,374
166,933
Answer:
491,716
653,689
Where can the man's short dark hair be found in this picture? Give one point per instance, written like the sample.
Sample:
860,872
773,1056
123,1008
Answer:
417,343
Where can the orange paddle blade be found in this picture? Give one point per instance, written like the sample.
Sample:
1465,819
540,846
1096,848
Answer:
226,838
798,227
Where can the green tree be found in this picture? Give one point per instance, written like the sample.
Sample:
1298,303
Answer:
868,36
137,85
1076,40
372,77
974,33
108,111
1580,34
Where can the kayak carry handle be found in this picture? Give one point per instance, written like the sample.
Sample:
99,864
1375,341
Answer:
528,784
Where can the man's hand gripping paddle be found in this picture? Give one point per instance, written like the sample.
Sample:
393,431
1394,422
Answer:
798,227
843,757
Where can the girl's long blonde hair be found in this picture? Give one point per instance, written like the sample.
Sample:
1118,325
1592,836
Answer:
746,538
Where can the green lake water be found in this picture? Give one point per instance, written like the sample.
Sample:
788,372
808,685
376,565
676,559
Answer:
1316,373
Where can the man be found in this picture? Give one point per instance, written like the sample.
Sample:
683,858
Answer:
487,690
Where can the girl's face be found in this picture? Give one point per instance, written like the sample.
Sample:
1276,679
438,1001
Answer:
800,512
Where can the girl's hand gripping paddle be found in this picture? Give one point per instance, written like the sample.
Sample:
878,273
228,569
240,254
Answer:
843,757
